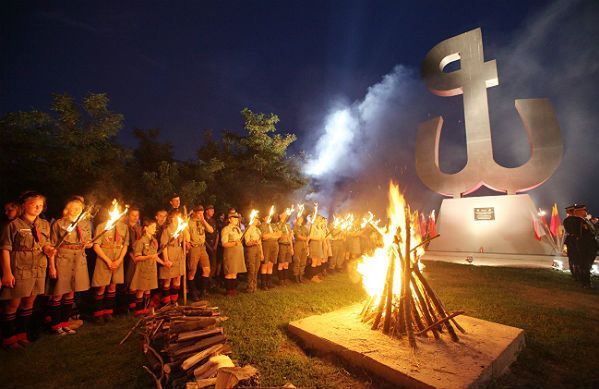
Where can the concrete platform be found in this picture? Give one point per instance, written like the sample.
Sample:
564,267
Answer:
492,259
484,352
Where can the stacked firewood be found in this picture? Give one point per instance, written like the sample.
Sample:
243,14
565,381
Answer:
416,310
186,347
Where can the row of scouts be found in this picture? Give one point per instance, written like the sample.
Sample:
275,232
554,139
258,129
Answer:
42,258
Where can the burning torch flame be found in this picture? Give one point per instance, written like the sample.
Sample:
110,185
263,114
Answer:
313,218
270,214
253,215
300,210
289,211
181,225
115,215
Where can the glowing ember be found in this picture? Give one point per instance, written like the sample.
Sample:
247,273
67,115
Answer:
401,300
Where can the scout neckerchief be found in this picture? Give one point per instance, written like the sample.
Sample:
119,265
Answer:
35,232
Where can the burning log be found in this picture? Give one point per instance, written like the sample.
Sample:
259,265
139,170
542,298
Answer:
402,301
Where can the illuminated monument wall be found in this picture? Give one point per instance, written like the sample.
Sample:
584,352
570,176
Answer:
493,224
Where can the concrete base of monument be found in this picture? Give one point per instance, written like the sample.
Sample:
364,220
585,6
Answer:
484,352
492,259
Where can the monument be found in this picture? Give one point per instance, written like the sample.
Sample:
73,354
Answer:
490,226
403,332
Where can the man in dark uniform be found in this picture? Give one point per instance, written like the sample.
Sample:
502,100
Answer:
581,243
212,240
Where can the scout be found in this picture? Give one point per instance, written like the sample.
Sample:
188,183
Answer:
173,256
135,233
270,247
300,249
69,268
145,274
233,261
285,248
109,270
253,253
198,226
337,236
25,243
316,246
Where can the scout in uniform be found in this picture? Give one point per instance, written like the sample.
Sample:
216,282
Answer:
300,249
212,239
145,274
109,270
233,261
270,247
161,216
337,237
25,243
69,267
253,253
353,239
135,233
198,226
316,248
285,248
173,256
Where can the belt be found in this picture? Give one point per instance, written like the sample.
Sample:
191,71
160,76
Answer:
198,245
285,244
71,246
26,249
109,246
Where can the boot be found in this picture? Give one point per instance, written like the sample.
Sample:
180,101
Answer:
267,281
281,274
193,291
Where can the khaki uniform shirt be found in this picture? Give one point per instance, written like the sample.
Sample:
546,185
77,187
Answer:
197,233
286,233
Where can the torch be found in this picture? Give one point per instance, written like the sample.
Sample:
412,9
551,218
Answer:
87,212
115,216
253,215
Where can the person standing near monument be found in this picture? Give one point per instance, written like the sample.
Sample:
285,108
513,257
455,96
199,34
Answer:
211,241
253,253
270,248
173,256
285,248
109,269
300,249
580,242
198,227
70,266
233,260
25,243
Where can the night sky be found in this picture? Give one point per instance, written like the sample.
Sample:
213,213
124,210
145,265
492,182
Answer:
190,65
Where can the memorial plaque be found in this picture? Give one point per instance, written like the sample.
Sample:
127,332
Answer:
484,213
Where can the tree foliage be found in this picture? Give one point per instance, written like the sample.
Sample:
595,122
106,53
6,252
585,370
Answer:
73,149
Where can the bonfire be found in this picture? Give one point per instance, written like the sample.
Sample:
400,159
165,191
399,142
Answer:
401,302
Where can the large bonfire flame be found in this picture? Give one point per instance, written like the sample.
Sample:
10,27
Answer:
401,300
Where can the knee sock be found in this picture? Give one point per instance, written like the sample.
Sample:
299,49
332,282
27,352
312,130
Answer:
166,297
23,319
131,300
109,303
139,306
54,308
98,305
9,329
67,308
175,293
281,274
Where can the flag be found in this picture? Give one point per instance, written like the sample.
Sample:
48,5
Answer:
537,226
556,223
432,224
422,225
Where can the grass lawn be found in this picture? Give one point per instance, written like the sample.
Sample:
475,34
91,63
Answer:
561,322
